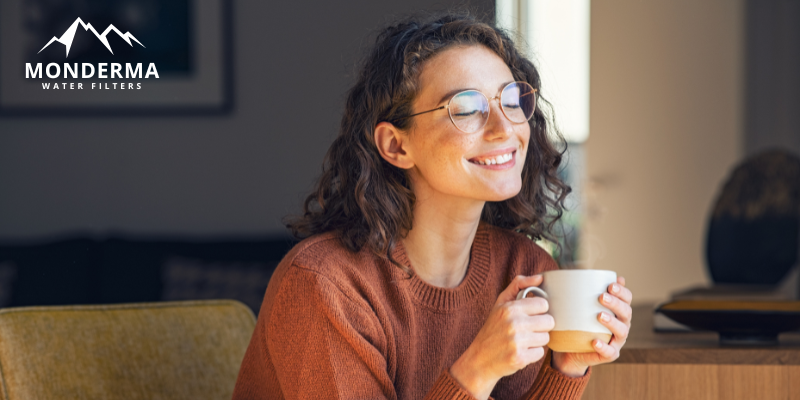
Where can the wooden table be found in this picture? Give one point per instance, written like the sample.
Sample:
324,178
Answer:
695,366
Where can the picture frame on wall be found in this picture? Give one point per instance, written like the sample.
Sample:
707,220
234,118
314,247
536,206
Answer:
115,57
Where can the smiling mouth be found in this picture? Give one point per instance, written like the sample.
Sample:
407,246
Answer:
496,160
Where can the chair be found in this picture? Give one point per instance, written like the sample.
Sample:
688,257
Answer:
167,350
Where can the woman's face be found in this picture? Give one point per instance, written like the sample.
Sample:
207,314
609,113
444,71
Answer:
448,161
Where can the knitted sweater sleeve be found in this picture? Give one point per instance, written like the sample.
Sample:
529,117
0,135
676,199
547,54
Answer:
554,385
549,385
326,344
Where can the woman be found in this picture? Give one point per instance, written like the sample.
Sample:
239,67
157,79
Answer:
417,237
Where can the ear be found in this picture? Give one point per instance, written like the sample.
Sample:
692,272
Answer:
392,144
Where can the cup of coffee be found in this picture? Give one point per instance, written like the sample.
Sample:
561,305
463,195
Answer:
573,296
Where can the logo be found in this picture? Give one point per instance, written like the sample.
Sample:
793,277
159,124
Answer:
69,35
87,70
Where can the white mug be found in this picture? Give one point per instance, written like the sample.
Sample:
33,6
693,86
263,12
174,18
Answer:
573,298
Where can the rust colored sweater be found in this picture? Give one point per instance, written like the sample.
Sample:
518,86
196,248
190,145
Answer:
341,325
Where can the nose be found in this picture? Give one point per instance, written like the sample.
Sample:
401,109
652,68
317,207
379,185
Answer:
497,126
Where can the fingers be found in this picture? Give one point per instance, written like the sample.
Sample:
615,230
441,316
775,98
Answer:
524,356
619,290
519,283
535,354
617,327
607,351
533,305
532,330
618,302
540,323
621,309
527,340
526,343
527,315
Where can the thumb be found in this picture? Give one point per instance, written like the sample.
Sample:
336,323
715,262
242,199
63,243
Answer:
519,283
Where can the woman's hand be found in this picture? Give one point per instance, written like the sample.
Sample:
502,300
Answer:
619,302
511,338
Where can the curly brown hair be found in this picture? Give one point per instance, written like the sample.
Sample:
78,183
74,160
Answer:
367,199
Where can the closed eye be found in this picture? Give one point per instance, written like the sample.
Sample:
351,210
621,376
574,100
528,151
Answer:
466,114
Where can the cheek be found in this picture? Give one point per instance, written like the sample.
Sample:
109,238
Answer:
450,151
525,138
445,148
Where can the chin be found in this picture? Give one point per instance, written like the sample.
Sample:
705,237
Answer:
499,199
502,195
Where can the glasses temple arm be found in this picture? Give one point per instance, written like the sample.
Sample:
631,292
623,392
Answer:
420,113
529,93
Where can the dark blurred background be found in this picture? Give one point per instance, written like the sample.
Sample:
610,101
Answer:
100,209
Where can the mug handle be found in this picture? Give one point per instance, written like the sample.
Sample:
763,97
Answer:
534,289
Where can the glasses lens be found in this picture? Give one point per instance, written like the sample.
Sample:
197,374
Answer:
519,101
469,110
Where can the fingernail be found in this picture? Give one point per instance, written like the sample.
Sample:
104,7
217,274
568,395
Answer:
606,298
597,344
614,288
605,317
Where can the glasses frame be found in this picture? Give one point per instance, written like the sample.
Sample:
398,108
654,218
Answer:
488,101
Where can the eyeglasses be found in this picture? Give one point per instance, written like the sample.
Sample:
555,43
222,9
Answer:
469,110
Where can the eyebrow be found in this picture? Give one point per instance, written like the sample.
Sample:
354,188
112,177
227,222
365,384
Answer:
453,92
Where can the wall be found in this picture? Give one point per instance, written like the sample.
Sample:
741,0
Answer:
773,84
236,174
667,84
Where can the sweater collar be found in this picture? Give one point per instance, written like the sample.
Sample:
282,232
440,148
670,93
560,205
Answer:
451,298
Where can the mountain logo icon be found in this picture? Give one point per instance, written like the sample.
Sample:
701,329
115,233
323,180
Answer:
69,35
